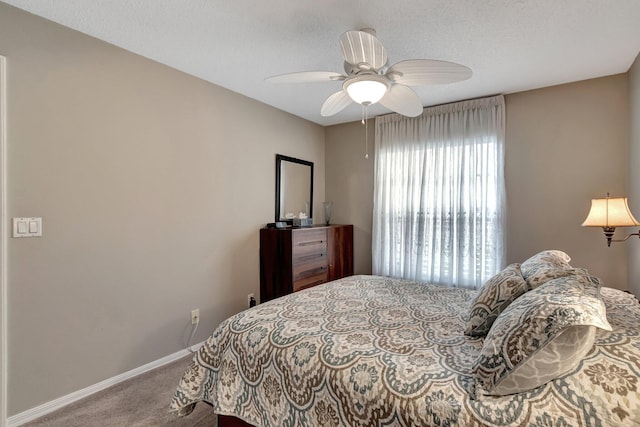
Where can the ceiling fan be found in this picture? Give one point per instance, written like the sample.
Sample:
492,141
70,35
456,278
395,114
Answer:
367,81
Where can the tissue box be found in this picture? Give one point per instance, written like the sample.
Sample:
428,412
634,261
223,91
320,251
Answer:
302,222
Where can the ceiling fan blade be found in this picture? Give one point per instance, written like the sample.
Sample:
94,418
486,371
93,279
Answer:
402,100
415,72
335,103
361,47
306,77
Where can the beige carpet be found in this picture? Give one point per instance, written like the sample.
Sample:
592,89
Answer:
140,401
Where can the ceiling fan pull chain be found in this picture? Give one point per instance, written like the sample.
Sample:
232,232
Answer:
366,129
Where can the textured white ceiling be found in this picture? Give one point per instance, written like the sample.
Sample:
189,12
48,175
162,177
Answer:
511,45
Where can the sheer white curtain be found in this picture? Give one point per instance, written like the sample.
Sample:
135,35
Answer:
439,197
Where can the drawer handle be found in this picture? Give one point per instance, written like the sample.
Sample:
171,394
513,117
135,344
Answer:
314,242
308,257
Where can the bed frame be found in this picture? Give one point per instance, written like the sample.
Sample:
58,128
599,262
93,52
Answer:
228,421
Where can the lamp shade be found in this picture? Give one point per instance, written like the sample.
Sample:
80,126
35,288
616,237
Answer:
367,89
610,212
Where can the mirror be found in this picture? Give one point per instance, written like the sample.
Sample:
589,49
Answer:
294,188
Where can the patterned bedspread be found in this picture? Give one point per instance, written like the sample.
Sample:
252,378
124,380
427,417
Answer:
368,351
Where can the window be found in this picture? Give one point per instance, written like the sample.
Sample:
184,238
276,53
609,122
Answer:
439,194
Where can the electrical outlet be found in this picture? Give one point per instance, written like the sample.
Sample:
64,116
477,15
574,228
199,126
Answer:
195,316
249,298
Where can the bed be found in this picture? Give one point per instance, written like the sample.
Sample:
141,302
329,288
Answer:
369,350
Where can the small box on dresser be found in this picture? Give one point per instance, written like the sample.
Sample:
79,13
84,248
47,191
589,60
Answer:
293,259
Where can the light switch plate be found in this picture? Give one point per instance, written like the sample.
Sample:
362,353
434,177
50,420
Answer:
27,227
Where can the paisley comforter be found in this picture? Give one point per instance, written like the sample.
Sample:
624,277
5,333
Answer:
369,351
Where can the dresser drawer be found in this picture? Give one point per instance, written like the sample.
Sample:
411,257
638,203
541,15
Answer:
310,281
310,241
310,265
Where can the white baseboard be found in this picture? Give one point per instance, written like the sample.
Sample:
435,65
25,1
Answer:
46,408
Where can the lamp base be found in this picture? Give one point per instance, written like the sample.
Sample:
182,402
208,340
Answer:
608,233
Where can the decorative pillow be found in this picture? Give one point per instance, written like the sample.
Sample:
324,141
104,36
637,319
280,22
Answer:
551,255
494,296
544,266
593,284
540,336
542,273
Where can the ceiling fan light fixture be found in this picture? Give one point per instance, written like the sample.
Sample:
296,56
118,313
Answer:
367,89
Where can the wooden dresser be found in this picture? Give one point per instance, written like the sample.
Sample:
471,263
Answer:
293,259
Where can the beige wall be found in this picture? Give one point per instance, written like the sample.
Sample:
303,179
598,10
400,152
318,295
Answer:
152,186
564,145
349,185
634,173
